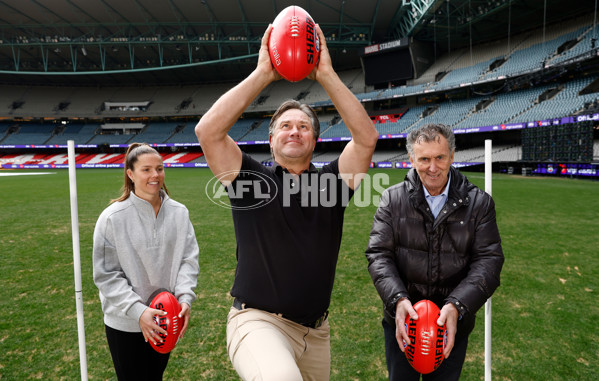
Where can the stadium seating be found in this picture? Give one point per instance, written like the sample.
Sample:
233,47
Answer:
566,102
461,76
244,129
257,131
4,127
30,134
386,155
504,153
156,132
186,134
585,43
526,53
111,139
78,132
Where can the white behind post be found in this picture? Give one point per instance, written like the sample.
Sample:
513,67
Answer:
489,190
77,258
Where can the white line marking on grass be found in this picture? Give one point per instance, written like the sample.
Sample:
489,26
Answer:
26,173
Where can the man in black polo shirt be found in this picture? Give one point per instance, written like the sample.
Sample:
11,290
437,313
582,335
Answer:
288,223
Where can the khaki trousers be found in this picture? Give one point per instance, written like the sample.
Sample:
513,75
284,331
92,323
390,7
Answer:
264,346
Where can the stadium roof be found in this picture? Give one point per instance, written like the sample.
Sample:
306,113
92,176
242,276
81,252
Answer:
178,42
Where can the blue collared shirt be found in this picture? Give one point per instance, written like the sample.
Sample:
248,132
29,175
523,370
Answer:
436,202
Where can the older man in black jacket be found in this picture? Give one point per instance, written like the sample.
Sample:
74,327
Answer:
434,237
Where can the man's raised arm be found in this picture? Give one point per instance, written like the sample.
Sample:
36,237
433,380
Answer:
357,154
222,153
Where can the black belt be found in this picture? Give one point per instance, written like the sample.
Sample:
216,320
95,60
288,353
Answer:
313,324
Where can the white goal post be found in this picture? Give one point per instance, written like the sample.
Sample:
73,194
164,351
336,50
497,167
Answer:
489,190
77,258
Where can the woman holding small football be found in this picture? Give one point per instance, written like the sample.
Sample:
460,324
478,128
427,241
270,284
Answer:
143,241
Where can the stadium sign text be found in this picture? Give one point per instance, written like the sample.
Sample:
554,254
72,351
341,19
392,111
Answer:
385,46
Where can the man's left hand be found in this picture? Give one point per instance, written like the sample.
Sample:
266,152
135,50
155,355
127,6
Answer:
324,66
449,317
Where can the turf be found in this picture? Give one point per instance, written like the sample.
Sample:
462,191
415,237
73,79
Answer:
544,313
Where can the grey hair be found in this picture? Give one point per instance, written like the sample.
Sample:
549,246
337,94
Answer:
429,133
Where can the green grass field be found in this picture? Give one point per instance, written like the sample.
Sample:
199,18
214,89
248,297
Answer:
545,313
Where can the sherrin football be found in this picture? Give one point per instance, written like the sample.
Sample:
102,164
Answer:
294,45
171,322
425,352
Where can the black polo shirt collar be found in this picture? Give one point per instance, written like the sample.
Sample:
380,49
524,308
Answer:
279,170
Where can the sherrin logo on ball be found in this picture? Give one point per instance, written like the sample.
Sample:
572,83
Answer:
425,352
171,322
294,45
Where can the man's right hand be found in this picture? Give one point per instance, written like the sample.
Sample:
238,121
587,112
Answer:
403,308
264,63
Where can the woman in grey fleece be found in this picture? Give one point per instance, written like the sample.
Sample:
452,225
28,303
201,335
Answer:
143,241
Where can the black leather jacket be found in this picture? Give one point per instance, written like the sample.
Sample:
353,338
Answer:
455,258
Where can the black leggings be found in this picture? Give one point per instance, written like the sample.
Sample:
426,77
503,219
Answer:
133,358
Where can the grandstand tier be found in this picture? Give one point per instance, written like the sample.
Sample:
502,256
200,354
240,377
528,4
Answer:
535,79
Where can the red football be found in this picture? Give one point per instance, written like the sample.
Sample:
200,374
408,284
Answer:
294,45
170,322
425,353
